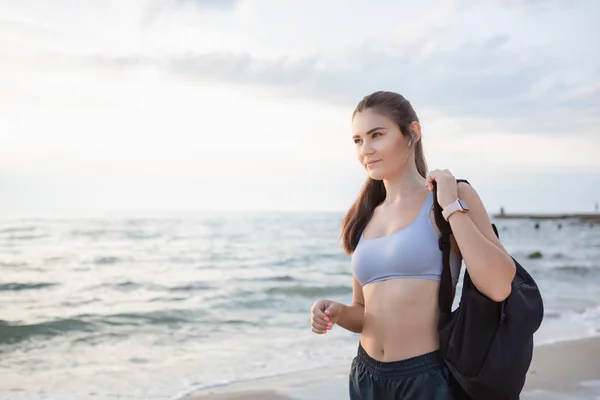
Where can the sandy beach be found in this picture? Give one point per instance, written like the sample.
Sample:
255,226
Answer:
558,371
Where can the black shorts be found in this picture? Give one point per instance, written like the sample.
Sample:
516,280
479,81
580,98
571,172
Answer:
423,377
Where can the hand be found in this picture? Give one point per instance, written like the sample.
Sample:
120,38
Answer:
325,313
447,188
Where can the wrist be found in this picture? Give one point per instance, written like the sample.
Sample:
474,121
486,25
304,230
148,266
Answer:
343,310
458,206
456,216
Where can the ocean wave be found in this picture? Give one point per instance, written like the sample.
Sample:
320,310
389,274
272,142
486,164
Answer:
570,325
158,317
552,314
280,278
297,261
25,286
99,233
97,338
12,264
191,287
26,237
183,260
309,291
106,260
10,333
19,229
540,254
577,269
313,258
340,272
55,260
139,235
166,299
126,285
141,221
79,302
273,298
91,233
245,303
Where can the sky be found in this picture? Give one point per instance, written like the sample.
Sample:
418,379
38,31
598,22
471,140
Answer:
246,104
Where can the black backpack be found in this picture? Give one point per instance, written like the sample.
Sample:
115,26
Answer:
486,345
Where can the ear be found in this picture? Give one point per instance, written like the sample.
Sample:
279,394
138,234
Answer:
415,131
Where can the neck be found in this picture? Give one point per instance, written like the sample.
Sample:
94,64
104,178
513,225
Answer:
406,184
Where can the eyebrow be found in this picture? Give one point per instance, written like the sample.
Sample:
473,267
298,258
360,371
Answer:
370,131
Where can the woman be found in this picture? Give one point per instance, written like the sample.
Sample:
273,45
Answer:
391,235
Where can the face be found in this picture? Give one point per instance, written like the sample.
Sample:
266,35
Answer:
380,146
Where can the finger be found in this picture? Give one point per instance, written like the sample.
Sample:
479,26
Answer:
434,174
430,178
320,325
317,312
320,332
319,317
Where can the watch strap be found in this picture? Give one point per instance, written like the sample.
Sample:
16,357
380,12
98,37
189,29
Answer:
452,208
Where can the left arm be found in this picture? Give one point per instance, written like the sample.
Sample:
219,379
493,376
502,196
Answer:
490,266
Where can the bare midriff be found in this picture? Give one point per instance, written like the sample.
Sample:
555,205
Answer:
400,319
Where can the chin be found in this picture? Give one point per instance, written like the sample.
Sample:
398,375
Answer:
376,175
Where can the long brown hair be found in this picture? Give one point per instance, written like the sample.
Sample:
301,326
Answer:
399,110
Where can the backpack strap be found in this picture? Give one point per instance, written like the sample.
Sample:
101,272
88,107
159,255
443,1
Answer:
445,296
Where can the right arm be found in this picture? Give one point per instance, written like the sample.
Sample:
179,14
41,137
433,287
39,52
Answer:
352,316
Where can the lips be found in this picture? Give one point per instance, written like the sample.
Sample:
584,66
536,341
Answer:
370,163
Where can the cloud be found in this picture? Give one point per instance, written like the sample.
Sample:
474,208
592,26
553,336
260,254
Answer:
523,76
486,78
243,68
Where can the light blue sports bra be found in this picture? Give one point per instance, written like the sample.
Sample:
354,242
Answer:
411,252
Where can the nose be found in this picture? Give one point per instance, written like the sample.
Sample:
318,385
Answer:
366,148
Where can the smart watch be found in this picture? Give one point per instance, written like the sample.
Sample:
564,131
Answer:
457,205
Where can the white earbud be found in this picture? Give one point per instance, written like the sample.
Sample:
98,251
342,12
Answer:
410,141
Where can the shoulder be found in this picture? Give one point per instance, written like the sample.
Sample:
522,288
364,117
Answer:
466,189
469,194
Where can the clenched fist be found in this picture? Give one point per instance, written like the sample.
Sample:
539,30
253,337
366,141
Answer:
325,313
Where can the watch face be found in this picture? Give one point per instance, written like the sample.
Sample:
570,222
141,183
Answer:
463,205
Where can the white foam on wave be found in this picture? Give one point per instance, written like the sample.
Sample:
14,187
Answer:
196,388
203,387
569,326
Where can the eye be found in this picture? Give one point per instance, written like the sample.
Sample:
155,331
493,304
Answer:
375,134
356,141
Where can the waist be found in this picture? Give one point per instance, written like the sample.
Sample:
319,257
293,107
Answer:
400,319
396,369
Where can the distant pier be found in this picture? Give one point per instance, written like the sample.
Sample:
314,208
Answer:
541,217
582,217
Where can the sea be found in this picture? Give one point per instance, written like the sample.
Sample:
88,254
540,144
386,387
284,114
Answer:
158,305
